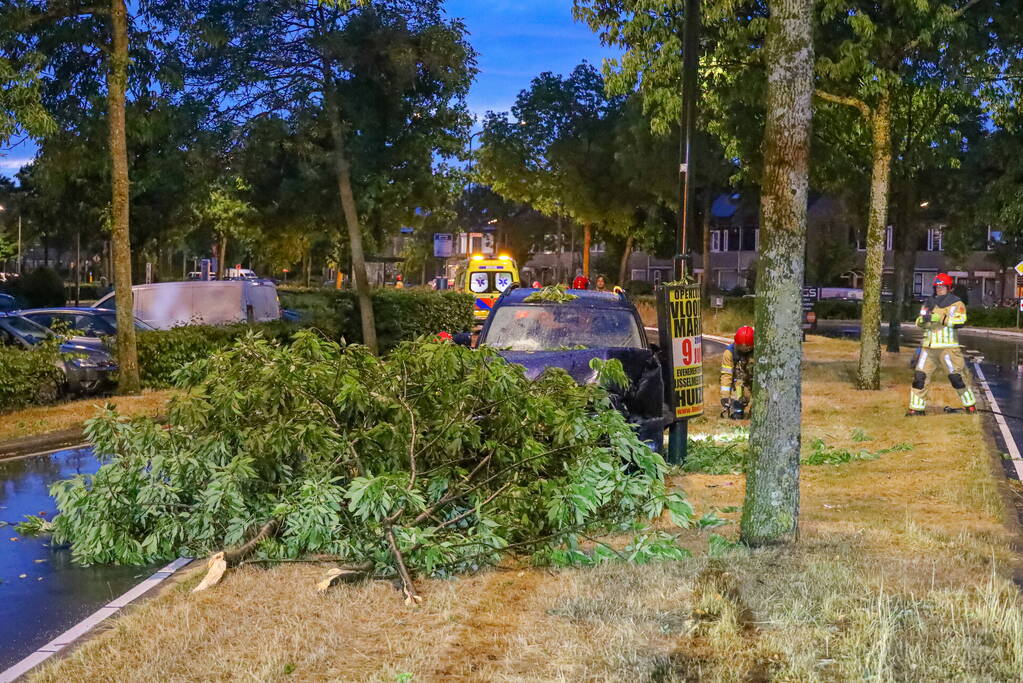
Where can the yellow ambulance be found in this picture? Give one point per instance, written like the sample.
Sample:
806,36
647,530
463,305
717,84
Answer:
486,278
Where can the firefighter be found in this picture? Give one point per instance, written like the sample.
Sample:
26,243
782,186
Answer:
737,374
941,317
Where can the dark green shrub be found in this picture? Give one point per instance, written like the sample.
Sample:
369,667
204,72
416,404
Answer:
29,377
163,352
639,288
401,315
41,287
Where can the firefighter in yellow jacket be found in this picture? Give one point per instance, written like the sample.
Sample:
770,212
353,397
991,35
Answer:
941,317
737,374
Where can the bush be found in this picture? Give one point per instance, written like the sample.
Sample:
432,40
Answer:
435,459
401,315
39,288
29,377
161,353
991,317
639,287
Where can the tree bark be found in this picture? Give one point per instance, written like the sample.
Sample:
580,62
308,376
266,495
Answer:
771,510
117,81
868,374
905,252
344,187
623,267
221,256
587,237
705,283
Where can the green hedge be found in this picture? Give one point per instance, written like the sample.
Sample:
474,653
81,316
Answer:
991,317
162,352
401,314
39,288
29,377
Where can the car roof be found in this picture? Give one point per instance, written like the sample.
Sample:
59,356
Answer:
64,309
584,298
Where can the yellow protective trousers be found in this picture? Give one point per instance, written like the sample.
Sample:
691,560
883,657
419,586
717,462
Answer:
951,359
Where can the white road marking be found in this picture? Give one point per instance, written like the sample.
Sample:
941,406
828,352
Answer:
1010,442
90,622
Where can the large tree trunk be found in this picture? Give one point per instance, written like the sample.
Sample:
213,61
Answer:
587,237
117,80
623,266
868,374
771,509
344,187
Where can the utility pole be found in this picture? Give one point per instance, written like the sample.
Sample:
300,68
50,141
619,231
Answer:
19,243
78,268
678,432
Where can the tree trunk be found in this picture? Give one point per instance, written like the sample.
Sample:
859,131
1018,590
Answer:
344,188
307,265
868,374
705,283
587,237
117,81
771,510
623,267
221,256
905,250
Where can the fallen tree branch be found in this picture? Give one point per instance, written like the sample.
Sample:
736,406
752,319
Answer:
233,557
408,588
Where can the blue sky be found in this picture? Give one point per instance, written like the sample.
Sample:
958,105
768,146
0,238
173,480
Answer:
515,39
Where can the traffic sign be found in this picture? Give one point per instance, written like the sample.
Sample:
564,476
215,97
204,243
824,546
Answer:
443,245
1019,268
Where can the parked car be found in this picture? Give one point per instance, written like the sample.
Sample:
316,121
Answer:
165,305
541,335
86,322
86,367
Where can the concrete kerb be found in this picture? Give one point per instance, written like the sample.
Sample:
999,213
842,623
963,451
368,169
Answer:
84,627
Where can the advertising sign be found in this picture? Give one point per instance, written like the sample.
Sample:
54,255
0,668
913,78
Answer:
443,245
680,324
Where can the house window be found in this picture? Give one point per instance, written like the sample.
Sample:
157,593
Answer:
888,238
716,237
597,248
918,283
638,274
934,239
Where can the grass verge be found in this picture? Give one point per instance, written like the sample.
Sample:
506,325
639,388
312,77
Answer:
900,574
42,419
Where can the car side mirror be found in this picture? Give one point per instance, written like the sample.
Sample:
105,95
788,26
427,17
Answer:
462,339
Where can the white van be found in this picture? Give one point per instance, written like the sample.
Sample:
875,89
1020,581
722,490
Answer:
164,305
240,274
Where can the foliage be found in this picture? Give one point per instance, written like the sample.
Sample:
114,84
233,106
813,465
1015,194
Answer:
718,454
401,315
553,294
438,458
163,352
639,287
40,287
29,376
823,454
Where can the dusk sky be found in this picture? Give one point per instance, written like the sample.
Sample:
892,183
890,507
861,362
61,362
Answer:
516,40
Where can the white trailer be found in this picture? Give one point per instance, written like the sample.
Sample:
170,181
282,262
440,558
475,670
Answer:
164,305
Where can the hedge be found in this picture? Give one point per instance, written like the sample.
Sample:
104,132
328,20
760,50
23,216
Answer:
39,288
29,377
401,314
162,352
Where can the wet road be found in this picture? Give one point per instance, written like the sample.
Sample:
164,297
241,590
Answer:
54,594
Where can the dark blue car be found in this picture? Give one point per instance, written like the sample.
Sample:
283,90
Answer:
543,334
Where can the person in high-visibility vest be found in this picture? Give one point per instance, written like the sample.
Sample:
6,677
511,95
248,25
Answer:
941,317
737,374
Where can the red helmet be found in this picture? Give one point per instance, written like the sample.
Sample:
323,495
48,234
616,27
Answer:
744,336
536,284
444,336
581,282
943,280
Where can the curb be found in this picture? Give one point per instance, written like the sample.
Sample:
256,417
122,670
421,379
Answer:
84,627
42,443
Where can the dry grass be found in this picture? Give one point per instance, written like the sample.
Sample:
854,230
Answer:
42,419
899,575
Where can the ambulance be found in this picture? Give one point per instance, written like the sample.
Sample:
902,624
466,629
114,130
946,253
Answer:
486,279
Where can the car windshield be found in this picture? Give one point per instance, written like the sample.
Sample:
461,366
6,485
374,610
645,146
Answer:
560,327
111,319
27,330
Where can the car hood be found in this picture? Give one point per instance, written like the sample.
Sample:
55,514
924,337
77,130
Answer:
87,346
577,362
